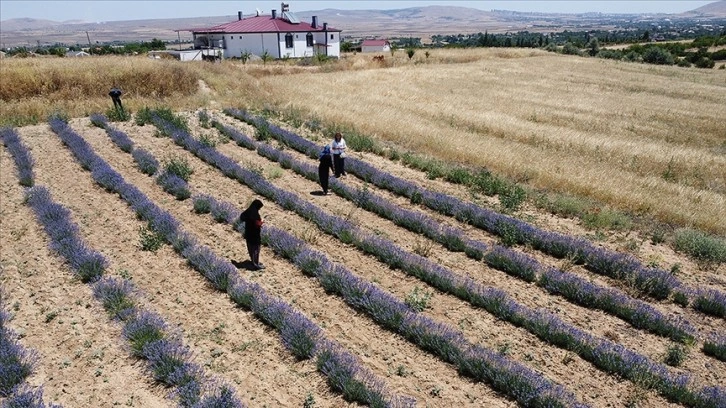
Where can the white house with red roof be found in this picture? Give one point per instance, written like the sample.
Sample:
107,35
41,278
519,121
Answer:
281,36
375,46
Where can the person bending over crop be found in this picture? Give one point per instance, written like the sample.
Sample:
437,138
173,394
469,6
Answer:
252,226
338,147
326,164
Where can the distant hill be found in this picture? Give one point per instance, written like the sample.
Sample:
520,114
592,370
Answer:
715,9
413,21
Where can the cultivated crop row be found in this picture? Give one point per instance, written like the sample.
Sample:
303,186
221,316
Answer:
168,359
610,357
521,383
578,290
16,364
302,337
653,282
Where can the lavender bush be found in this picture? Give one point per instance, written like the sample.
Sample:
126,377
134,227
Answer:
710,301
545,326
390,313
144,328
117,297
119,138
86,263
168,360
21,155
715,345
16,362
174,185
653,282
145,161
636,312
24,396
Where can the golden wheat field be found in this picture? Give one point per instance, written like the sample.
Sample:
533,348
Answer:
643,139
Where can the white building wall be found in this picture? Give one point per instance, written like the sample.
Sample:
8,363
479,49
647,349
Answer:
274,43
375,48
255,44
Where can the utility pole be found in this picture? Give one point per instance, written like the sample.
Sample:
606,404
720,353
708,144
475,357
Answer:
90,51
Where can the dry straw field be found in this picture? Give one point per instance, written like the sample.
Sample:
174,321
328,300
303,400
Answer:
397,286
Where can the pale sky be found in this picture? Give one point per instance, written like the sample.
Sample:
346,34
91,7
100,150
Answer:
108,10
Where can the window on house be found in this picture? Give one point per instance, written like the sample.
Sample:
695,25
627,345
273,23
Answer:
309,39
288,40
332,36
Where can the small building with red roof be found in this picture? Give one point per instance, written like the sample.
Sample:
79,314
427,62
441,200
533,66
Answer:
281,35
375,46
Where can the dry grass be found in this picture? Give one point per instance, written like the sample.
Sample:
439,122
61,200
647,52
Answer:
640,138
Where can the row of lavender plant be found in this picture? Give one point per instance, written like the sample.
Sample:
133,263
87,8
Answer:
145,161
640,314
515,380
16,364
654,282
167,359
23,159
610,357
299,335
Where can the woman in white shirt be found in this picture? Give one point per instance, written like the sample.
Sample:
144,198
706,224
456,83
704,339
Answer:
338,148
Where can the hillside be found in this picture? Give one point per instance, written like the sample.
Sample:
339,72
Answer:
715,9
413,21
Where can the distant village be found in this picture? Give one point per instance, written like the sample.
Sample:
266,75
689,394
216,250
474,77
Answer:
282,35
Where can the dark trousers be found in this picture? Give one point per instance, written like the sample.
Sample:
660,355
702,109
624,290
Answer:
253,249
324,177
339,165
117,104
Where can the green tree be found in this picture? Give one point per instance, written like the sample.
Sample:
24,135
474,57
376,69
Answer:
659,56
593,46
410,52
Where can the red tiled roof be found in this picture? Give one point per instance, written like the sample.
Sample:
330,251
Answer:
374,43
261,24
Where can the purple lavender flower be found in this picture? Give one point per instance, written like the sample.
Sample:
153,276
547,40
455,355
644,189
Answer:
23,160
116,296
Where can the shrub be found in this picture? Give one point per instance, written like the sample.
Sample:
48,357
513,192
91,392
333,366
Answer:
606,219
207,141
675,355
203,118
179,166
142,329
418,299
150,240
704,62
512,197
715,345
570,49
700,246
116,296
564,206
658,55
145,161
202,204
118,115
23,160
632,56
610,54
174,185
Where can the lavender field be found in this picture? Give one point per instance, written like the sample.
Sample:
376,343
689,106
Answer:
125,281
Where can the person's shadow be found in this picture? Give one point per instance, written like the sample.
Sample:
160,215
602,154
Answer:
243,265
